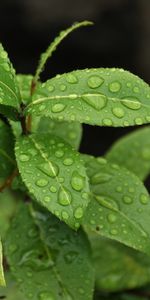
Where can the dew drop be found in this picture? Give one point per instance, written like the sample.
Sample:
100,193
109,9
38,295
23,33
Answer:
111,218
58,107
77,181
97,101
63,87
68,161
100,178
59,153
127,200
95,81
65,215
136,89
71,78
114,87
46,296
64,197
70,256
144,199
81,291
24,157
42,182
50,88
32,233
118,112
113,232
78,213
53,189
42,107
47,199
138,121
131,102
107,122
49,168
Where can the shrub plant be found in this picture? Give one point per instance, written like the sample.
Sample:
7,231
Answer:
72,224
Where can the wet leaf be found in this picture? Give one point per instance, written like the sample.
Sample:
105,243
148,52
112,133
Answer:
105,97
55,174
2,279
49,258
120,205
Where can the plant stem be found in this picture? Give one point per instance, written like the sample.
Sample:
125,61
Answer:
9,180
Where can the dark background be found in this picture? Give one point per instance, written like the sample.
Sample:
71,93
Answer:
120,38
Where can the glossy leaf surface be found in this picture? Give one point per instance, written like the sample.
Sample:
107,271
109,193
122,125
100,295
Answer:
120,206
9,92
49,258
133,152
55,174
105,97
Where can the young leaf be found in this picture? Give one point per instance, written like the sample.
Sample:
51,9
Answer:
106,97
49,259
70,132
120,205
53,46
133,152
7,161
117,266
2,279
9,92
54,173
24,83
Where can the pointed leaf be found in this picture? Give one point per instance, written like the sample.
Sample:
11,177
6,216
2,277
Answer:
7,161
118,267
70,132
53,46
2,279
120,206
105,97
24,83
54,173
130,149
49,258
9,92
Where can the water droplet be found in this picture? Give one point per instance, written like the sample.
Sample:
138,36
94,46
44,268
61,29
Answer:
68,161
46,296
107,122
71,78
101,160
100,178
70,257
53,189
42,107
65,215
113,232
77,181
131,102
24,157
138,121
50,88
41,182
85,196
47,199
136,89
78,213
49,168
59,153
131,190
111,218
58,107
81,291
64,197
32,232
144,199
95,81
118,112
63,87
114,87
97,101
127,200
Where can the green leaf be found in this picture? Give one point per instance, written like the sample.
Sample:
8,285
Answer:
70,132
53,46
9,92
117,266
24,83
106,97
10,292
7,161
120,205
54,173
49,260
2,279
8,203
133,152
